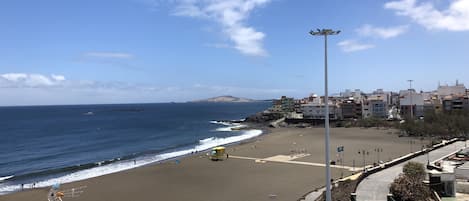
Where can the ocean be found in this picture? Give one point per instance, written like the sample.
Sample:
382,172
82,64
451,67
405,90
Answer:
45,145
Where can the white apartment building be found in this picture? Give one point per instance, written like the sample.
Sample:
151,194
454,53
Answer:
458,89
315,110
408,98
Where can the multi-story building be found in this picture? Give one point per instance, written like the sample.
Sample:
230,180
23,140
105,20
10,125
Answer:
458,90
283,105
386,96
288,104
432,104
410,101
378,108
453,103
276,106
356,94
394,100
317,110
374,107
351,109
297,106
366,109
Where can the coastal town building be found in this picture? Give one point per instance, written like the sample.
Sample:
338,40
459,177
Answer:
283,105
378,107
455,103
351,109
357,94
276,107
410,99
379,104
288,104
386,96
432,104
366,109
446,90
317,110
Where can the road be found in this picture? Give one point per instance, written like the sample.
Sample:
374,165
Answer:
376,186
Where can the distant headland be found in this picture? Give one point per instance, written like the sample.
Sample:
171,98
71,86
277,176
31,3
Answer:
225,99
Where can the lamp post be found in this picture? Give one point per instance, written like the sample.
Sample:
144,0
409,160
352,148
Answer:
378,150
411,105
411,142
364,153
325,33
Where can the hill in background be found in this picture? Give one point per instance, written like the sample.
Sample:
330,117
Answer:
223,99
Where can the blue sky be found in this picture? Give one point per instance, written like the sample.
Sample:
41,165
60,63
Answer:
123,51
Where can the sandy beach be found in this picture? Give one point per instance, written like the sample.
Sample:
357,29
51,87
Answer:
282,165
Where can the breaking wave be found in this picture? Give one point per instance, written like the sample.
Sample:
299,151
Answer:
117,165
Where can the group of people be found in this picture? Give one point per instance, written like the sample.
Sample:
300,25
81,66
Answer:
33,185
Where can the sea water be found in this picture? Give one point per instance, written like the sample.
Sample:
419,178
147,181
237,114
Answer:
45,145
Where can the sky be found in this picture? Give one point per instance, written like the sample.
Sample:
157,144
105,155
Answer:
147,51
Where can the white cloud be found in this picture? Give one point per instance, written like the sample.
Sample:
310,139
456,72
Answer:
454,18
353,46
37,89
15,80
14,77
58,77
231,15
108,55
381,32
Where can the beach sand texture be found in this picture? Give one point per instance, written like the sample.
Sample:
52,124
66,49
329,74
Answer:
196,178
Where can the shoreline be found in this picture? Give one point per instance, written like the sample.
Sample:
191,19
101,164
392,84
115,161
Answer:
194,171
188,152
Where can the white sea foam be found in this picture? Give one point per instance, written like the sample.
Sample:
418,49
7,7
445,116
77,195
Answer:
224,123
204,144
213,142
5,178
224,129
230,128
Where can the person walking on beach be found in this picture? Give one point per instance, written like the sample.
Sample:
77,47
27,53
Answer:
22,187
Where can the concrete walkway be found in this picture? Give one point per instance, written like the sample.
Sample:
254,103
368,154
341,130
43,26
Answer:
376,186
314,195
290,159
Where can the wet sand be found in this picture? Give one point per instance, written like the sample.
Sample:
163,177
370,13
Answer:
196,178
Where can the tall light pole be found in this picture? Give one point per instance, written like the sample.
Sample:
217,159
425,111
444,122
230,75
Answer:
325,33
411,105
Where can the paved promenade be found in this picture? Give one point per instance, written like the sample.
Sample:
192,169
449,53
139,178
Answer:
376,186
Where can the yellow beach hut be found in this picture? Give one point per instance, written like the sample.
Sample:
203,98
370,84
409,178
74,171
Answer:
217,153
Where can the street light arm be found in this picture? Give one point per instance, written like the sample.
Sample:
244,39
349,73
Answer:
324,32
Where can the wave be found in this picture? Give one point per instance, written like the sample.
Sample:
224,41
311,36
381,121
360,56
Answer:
230,128
213,141
225,123
109,168
5,178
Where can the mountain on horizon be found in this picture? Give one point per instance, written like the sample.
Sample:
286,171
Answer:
225,99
